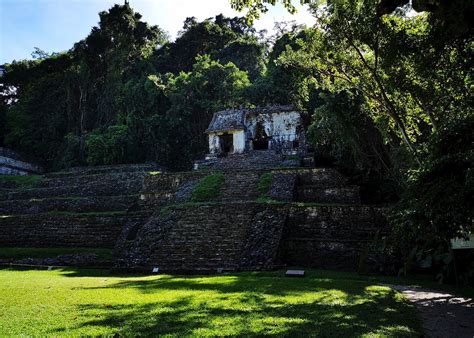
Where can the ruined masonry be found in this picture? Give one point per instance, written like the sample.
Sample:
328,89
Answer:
302,216
12,163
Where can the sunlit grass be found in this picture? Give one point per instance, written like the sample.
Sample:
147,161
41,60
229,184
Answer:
155,172
91,302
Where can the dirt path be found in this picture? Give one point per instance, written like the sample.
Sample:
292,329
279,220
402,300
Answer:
442,314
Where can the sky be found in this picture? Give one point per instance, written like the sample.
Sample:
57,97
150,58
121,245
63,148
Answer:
55,25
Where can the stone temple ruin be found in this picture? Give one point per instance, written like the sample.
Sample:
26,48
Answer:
272,208
260,137
277,128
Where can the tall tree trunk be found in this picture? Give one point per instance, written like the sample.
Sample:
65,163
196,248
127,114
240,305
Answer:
391,110
81,124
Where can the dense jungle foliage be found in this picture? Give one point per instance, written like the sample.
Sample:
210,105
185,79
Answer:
388,97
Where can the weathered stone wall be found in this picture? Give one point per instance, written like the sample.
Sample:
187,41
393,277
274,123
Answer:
234,236
281,124
283,187
283,128
61,230
82,207
166,188
79,204
112,184
12,163
239,185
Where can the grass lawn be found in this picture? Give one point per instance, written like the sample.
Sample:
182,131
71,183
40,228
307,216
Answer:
21,181
93,302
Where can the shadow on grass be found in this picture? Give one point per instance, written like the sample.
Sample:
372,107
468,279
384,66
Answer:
248,305
424,281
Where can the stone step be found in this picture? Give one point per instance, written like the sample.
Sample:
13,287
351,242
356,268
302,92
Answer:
98,188
240,187
205,238
318,194
257,159
81,204
108,169
91,180
321,176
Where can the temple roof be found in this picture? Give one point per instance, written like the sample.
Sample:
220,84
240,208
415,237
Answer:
227,120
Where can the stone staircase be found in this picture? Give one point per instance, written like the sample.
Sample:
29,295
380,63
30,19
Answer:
166,188
252,160
204,238
240,186
313,219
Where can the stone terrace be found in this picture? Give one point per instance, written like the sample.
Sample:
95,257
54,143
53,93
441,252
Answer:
83,207
308,217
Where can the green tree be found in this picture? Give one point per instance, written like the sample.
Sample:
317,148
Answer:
59,98
436,206
194,97
111,146
224,39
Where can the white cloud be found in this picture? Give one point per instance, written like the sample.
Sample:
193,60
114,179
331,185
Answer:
170,14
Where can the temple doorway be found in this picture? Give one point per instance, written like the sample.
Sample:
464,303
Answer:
261,139
226,142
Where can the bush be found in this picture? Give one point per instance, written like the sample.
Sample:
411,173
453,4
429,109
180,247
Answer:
109,147
264,184
208,188
436,207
